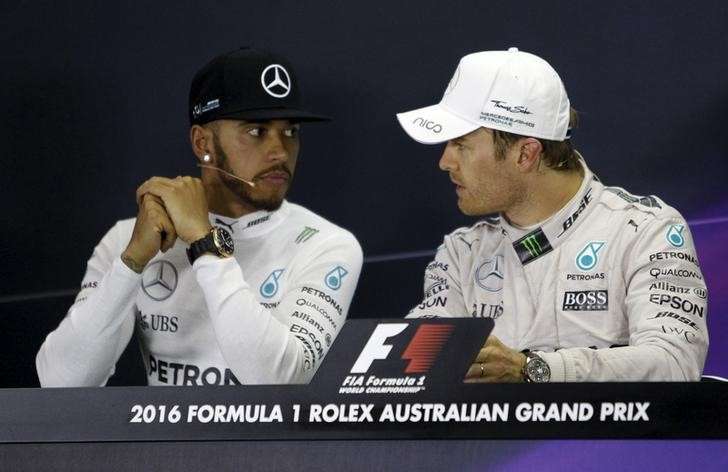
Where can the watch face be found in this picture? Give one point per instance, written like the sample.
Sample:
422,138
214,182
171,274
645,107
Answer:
224,241
538,370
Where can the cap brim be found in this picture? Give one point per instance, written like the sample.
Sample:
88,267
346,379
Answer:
274,114
434,124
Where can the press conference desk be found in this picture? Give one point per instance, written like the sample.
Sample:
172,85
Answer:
386,415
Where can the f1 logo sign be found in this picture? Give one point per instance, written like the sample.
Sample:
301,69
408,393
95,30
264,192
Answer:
375,347
421,351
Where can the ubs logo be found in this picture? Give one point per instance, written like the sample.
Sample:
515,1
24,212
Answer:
490,274
159,280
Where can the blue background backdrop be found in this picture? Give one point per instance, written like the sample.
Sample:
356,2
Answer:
94,102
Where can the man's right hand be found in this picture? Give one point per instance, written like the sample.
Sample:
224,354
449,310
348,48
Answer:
153,231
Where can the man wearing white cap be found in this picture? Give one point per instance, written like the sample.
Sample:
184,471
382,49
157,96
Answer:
585,282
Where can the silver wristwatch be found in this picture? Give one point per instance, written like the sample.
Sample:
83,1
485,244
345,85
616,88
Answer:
536,369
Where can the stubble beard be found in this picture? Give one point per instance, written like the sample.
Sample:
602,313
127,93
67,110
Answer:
242,190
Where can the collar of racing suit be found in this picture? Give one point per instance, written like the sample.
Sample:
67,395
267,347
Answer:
530,244
253,224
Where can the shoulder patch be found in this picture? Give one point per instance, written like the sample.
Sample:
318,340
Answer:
649,201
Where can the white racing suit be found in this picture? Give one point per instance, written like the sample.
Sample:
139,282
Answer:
607,289
267,315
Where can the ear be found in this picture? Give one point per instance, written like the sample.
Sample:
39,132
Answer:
201,141
529,157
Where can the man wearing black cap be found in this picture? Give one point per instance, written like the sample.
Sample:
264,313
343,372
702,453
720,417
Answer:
247,288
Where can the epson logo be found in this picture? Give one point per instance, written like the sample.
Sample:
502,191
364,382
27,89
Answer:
421,351
587,300
428,125
677,303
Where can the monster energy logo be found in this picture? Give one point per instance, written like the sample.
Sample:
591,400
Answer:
306,234
532,246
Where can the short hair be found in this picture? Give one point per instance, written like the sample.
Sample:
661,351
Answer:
557,155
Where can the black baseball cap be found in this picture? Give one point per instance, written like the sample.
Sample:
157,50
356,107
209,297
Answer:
247,84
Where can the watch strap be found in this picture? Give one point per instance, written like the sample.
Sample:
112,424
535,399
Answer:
202,246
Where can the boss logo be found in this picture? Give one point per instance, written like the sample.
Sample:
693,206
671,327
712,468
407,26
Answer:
429,125
587,300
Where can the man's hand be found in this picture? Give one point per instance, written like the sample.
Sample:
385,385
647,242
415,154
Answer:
185,202
153,231
496,362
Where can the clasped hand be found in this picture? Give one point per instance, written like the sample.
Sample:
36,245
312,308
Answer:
168,209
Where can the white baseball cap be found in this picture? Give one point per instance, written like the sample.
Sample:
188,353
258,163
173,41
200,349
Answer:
511,91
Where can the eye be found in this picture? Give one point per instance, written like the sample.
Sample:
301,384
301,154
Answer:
256,131
291,132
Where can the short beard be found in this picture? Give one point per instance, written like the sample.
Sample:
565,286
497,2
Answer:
241,189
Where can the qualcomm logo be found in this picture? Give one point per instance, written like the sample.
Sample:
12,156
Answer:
674,235
276,81
269,287
490,274
589,256
159,280
333,278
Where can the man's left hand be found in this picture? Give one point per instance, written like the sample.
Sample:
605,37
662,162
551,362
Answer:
496,362
185,202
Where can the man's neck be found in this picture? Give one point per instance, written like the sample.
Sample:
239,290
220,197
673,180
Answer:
548,193
222,201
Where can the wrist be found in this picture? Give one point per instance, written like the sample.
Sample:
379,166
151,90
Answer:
133,262
199,234
216,241
522,366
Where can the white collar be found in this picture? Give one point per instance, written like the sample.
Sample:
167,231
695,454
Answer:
253,224
530,244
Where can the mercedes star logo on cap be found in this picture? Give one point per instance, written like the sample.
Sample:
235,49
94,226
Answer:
159,280
276,81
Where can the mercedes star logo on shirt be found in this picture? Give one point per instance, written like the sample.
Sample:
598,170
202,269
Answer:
159,280
276,81
490,274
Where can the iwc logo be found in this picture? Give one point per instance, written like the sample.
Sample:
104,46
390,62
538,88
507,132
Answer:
276,81
159,280
490,274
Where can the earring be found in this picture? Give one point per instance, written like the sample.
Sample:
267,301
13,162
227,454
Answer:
206,158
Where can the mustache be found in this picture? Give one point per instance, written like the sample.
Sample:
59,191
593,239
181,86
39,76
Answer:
276,168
